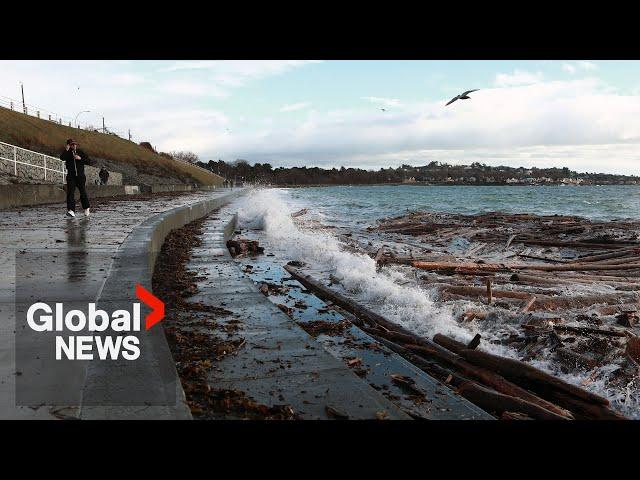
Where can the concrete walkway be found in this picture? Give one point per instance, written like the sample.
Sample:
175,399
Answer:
45,257
280,363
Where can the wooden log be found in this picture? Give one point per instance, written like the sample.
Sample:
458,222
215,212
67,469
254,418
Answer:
546,259
449,343
584,410
475,341
468,291
575,359
554,280
344,302
485,376
588,331
539,302
489,401
516,371
498,402
536,280
605,256
514,416
510,239
529,304
395,332
495,267
557,243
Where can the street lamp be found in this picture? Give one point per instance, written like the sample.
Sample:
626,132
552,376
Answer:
84,111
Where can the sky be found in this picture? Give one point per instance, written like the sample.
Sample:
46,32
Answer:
584,115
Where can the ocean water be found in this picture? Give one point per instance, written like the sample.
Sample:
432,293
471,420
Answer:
368,203
395,291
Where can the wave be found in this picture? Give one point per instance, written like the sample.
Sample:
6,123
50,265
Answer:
387,292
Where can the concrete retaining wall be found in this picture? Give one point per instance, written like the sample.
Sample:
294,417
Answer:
22,194
152,381
96,191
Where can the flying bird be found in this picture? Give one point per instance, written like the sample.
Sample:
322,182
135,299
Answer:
462,96
383,109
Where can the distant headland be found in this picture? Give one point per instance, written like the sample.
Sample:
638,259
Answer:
435,173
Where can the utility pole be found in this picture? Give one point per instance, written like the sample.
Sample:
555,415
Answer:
24,105
129,134
103,128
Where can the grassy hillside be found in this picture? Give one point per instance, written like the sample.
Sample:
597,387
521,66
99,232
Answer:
48,137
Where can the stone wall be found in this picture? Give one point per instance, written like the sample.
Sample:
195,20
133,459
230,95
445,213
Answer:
35,160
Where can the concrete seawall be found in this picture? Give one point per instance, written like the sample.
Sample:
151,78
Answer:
150,387
24,194
21,194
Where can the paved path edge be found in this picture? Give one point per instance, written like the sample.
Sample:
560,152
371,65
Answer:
134,263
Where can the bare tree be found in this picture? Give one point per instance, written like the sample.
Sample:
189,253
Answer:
185,156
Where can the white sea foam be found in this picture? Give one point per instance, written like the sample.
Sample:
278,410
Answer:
270,210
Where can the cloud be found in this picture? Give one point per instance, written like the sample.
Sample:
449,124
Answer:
191,88
580,65
292,107
524,119
235,73
572,117
389,102
518,77
587,65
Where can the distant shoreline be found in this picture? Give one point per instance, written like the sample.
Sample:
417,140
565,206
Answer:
420,184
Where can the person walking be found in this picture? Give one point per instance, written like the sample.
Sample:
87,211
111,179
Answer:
104,175
75,160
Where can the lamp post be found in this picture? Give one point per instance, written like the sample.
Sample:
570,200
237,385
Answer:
79,113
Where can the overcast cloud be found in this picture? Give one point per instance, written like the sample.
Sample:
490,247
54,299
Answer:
520,117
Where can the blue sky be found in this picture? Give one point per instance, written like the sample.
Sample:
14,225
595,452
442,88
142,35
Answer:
580,114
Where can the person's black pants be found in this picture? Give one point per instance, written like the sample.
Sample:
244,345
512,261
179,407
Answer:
72,183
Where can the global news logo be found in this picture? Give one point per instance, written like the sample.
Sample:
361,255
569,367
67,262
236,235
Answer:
122,325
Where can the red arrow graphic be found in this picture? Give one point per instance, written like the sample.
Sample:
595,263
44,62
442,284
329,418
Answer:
157,306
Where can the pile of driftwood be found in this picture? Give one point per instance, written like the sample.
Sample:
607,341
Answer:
571,284
508,388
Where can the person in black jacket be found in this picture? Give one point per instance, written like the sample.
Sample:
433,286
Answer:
104,175
75,160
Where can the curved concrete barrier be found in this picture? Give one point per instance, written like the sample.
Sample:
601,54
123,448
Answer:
149,387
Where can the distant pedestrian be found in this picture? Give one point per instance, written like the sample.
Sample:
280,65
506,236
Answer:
75,160
104,175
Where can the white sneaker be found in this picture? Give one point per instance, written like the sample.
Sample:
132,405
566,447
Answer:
71,214
86,212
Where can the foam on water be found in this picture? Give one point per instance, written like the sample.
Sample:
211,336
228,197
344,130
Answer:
269,210
411,306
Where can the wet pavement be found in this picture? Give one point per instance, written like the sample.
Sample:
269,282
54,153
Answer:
331,376
46,257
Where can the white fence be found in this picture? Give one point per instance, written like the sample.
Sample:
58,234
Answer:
53,168
40,167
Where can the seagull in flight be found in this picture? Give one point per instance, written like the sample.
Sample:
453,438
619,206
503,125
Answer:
462,96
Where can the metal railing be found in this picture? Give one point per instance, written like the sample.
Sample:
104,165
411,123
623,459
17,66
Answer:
17,155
